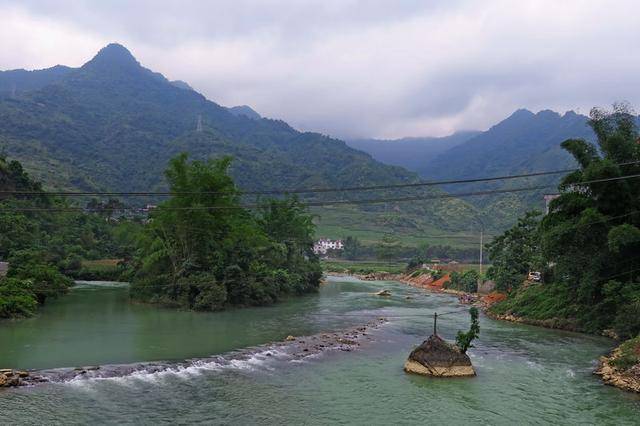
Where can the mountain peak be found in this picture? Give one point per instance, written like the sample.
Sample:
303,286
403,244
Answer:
113,56
244,110
521,113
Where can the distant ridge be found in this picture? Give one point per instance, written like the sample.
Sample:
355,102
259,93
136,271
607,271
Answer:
14,82
413,153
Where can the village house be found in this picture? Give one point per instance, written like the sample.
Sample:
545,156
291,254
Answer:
4,267
548,198
323,245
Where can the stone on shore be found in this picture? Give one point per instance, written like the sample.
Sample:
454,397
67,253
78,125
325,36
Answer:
438,358
628,380
10,378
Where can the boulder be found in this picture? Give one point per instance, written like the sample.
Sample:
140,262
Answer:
438,358
383,293
290,339
3,380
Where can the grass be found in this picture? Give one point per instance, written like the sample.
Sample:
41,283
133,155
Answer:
103,269
363,267
538,302
371,227
629,354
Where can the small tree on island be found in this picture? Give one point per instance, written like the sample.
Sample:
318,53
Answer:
463,340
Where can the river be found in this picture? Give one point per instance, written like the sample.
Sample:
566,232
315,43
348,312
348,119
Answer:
526,375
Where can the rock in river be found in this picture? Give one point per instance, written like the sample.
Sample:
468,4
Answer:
438,358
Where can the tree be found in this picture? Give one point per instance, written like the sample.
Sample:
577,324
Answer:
591,237
514,253
352,248
202,250
464,340
464,281
388,247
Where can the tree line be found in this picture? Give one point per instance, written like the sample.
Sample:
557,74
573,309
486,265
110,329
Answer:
198,250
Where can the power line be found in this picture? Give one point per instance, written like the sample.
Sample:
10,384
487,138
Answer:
327,203
298,190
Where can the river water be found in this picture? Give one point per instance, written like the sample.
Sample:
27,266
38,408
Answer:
526,375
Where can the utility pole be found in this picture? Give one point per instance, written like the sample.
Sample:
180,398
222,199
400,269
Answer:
435,323
481,247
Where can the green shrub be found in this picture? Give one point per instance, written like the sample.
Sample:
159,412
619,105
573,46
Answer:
16,298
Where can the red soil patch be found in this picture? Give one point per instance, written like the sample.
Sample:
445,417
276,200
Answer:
440,283
494,297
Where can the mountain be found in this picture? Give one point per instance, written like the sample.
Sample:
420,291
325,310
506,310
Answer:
244,110
522,143
113,125
181,84
413,153
14,82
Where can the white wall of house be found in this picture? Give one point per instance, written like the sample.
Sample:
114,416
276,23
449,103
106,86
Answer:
323,245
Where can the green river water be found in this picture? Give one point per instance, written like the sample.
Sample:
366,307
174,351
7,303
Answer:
526,375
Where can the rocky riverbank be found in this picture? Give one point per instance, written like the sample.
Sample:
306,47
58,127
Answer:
622,367
555,323
13,378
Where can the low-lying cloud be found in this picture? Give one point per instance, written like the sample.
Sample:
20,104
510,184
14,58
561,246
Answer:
355,68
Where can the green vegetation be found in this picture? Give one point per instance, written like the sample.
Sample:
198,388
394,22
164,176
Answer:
629,354
524,142
515,253
463,281
362,267
101,270
222,255
464,340
44,244
589,242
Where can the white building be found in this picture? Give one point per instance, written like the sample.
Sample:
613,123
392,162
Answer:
323,245
548,198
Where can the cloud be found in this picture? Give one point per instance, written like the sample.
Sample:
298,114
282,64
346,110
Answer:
355,68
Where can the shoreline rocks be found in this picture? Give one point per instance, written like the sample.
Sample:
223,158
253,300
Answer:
14,378
628,380
437,358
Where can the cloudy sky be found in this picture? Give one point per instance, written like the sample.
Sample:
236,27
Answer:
355,68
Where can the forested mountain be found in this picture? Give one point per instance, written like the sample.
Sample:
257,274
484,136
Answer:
522,143
14,82
413,153
113,125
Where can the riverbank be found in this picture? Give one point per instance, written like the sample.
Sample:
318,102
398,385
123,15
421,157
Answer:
424,282
609,369
622,367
